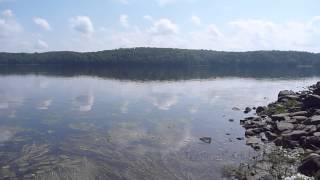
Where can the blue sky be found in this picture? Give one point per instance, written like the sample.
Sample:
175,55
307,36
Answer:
91,25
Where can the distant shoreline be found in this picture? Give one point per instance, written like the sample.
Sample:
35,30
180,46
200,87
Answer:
167,57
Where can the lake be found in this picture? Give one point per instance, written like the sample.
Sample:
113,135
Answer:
96,126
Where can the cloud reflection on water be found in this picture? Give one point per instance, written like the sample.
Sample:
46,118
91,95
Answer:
84,103
164,101
44,105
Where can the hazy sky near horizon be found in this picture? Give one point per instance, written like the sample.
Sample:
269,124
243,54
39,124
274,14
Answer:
92,25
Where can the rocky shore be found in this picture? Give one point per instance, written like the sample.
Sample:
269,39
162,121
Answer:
293,121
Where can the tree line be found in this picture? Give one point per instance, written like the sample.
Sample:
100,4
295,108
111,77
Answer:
165,57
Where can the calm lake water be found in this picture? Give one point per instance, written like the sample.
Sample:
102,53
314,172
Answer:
93,127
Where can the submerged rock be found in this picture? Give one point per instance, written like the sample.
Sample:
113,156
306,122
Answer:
236,109
206,140
231,120
247,110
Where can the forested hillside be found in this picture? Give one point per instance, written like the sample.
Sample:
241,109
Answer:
165,56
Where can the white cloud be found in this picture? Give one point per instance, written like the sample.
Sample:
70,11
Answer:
236,35
213,31
148,17
124,20
259,34
123,1
40,44
195,20
82,24
7,13
165,2
164,27
43,23
9,27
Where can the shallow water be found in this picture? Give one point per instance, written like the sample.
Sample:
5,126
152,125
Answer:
88,127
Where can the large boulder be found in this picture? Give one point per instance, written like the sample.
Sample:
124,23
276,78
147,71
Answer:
284,126
247,110
314,120
294,135
285,93
299,119
310,165
261,109
299,113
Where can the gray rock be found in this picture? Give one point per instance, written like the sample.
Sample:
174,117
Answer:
291,120
316,112
252,132
236,109
261,109
310,129
317,88
280,117
231,120
253,141
283,126
299,119
247,110
316,134
314,120
300,126
292,97
271,136
294,135
263,137
206,140
253,124
299,113
310,165
286,143
285,93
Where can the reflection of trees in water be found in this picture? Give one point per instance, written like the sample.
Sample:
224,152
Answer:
144,73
